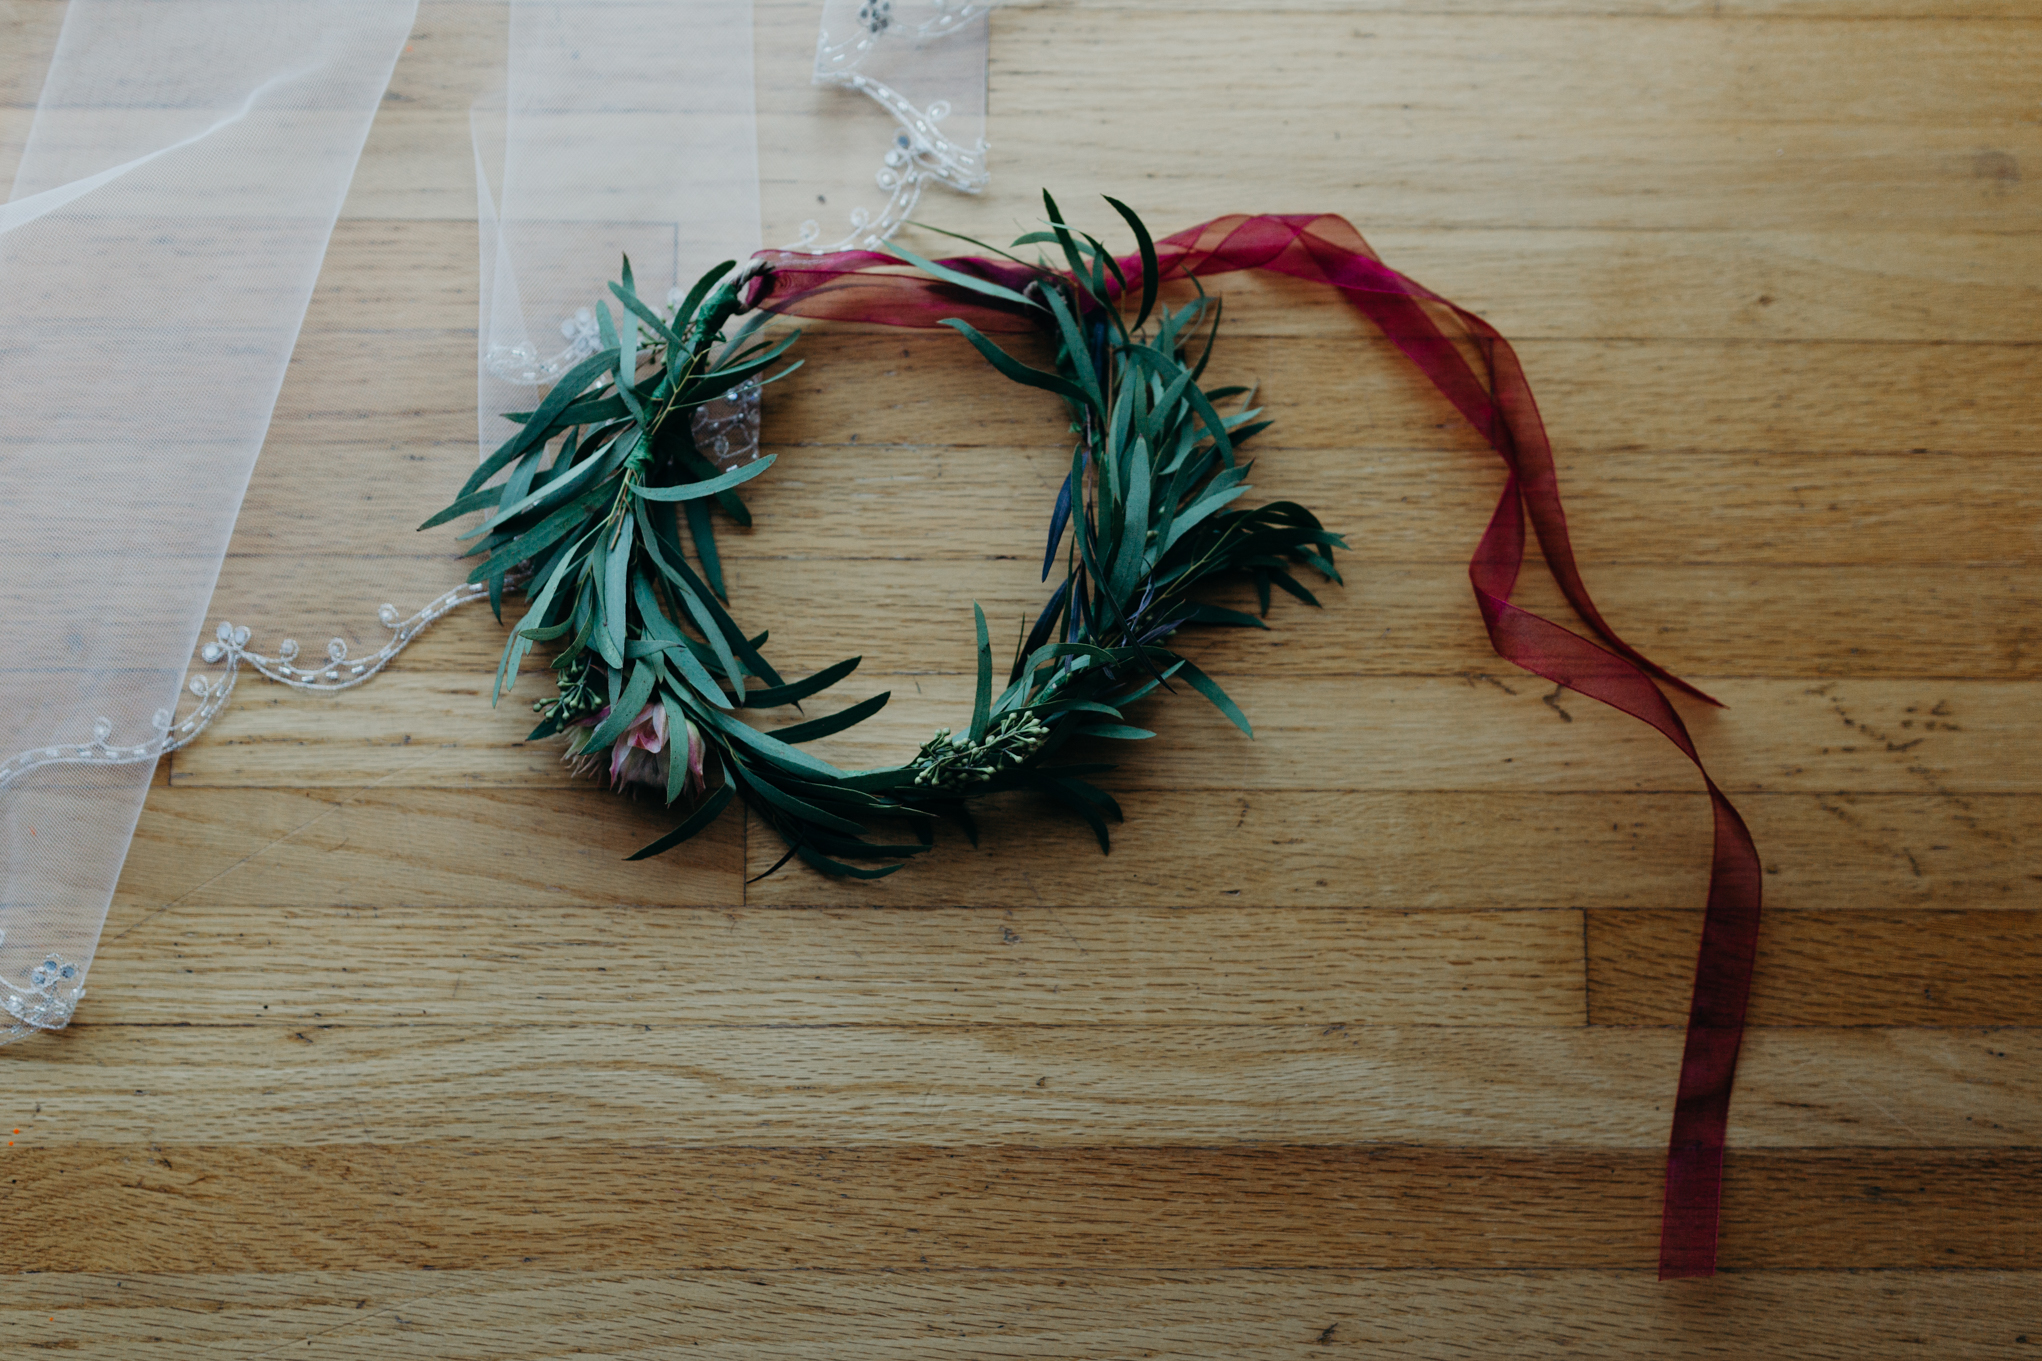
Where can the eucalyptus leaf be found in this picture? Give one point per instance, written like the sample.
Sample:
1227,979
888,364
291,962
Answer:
696,491
950,276
695,823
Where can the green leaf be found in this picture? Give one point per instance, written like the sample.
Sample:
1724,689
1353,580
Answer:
982,701
1210,688
1150,271
523,477
696,821
1063,239
547,633
519,646
1212,334
597,466
1166,407
488,496
796,691
542,421
540,428
625,709
663,629
1104,257
733,352
684,576
950,276
627,365
702,531
772,749
1130,560
600,637
617,571
1216,495
706,621
719,380
1292,585
1091,793
816,860
686,312
834,723
1119,731
800,808
1148,686
968,240
677,746
649,317
1214,614
1014,368
1208,417
696,491
1060,790
541,536
1081,354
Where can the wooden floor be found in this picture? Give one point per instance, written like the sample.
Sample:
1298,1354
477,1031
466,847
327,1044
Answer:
1364,1038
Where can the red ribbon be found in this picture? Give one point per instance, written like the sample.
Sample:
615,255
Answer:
1431,331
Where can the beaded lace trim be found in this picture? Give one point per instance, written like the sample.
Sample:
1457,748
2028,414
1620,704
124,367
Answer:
726,431
52,989
920,154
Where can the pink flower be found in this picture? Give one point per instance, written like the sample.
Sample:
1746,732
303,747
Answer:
641,755
635,755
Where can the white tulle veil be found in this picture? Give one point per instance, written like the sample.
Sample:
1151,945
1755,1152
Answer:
169,216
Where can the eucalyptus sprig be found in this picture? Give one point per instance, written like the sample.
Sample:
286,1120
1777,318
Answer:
653,665
1154,470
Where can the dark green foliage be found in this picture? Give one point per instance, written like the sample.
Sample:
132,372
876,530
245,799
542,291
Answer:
1149,509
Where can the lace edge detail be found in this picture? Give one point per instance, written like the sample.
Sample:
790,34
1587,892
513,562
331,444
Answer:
920,154
54,987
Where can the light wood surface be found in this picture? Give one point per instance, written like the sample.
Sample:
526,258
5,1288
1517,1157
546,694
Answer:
1363,1039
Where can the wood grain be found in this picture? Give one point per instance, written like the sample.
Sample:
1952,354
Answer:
1126,1086
1882,967
598,1206
1363,1038
523,1314
495,848
1465,732
385,965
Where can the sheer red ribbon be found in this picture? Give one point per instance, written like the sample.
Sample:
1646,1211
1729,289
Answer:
1432,332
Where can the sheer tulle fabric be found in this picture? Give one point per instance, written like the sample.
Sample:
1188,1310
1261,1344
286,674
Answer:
623,130
166,223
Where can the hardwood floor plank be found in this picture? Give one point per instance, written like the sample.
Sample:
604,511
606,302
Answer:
928,502
1489,850
555,1079
663,966
484,848
1342,392
1868,967
386,275
1645,122
524,848
1814,624
763,1314
1354,732
589,1205
1782,509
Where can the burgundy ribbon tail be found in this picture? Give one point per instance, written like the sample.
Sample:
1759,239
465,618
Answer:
1438,337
